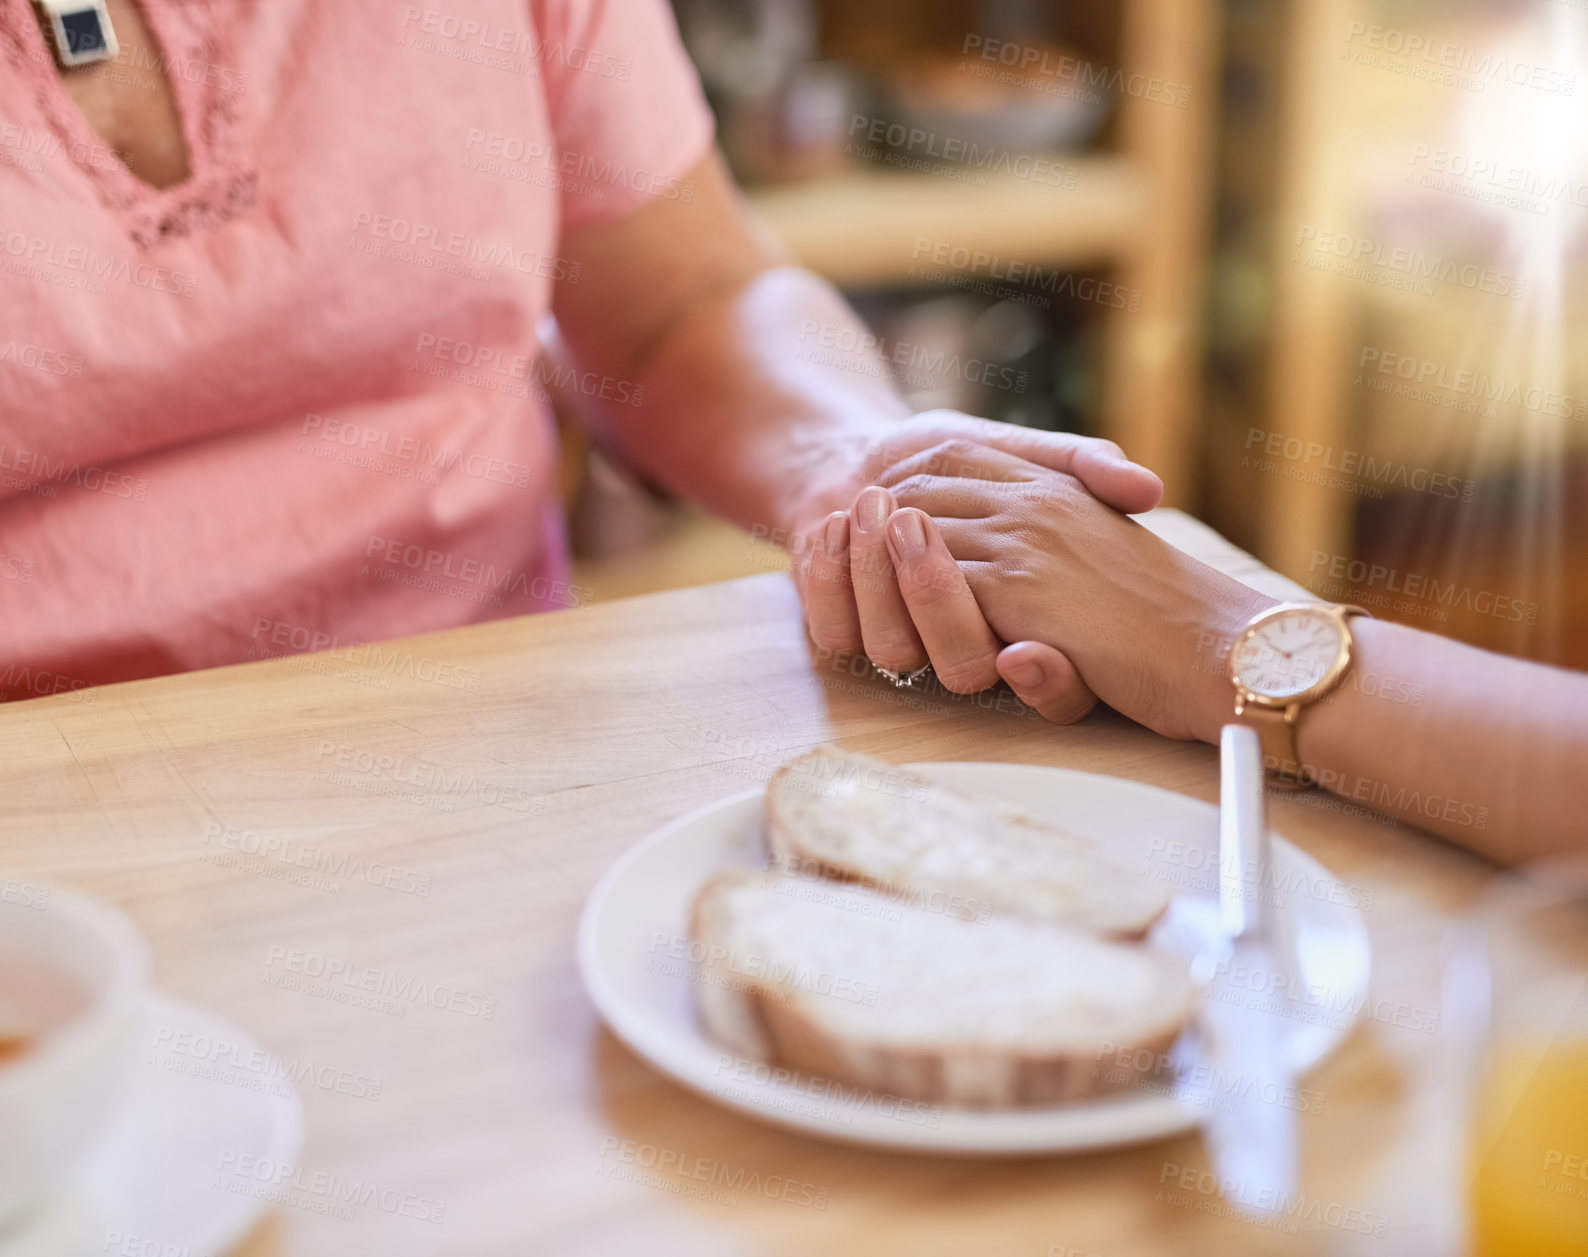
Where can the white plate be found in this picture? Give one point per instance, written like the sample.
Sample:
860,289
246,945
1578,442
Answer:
642,904
152,1183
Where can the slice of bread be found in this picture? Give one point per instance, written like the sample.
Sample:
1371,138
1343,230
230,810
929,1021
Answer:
836,980
848,816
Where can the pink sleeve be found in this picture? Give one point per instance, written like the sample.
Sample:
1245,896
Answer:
626,106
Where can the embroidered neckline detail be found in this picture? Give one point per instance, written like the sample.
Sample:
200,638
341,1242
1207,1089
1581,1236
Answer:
219,186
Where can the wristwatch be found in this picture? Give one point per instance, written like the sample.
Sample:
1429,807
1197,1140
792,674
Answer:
1285,660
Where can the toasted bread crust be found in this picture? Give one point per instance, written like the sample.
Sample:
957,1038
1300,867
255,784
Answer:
799,1042
790,1034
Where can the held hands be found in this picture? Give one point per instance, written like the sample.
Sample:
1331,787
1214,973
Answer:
855,601
978,544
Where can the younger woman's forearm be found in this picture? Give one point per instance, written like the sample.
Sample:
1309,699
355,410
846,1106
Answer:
1487,751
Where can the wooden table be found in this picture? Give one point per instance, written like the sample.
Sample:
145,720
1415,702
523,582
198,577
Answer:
520,759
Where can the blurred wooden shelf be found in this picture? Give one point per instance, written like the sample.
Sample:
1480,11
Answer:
867,227
1142,210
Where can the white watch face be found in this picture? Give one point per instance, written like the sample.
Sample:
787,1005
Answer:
1289,654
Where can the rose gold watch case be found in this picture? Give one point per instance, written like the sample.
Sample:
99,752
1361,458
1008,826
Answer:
1338,612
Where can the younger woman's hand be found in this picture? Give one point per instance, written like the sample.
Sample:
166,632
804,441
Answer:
1051,566
846,573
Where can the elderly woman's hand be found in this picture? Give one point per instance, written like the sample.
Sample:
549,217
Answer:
853,599
1081,589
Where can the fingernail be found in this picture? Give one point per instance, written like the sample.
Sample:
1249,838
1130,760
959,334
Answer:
909,538
836,536
871,511
1023,672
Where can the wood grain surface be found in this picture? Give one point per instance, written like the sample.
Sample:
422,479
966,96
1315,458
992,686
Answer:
491,774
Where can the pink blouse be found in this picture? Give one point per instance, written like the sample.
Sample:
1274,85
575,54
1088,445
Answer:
294,402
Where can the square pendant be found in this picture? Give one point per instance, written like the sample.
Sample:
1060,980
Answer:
80,30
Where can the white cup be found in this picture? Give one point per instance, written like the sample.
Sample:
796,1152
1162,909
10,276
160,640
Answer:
58,1092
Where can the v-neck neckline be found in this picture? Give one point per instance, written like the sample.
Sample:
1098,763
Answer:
217,185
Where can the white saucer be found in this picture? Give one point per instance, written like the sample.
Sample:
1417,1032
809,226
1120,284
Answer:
649,1005
152,1178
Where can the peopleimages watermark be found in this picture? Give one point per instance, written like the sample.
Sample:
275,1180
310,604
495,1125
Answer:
1396,266
1359,473
851,349
22,161
1282,992
1560,1167
1029,64
15,567
367,986
1377,584
1202,1190
528,160
144,67
279,639
1493,181
496,47
39,358
715,964
413,781
979,270
458,252
1199,1082
30,145
38,471
24,894
43,683
671,1170
917,148
518,374
1470,392
1206,871
198,1055
405,455
1322,801
119,1243
822,773
319,1191
1383,796
81,267
855,674
472,580
755,757
777,1087
325,868
1368,799
806,880
1441,61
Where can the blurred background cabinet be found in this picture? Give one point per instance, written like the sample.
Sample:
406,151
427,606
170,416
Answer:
1317,263
1135,206
1016,197
1396,367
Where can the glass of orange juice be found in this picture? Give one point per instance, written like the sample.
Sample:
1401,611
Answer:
1520,976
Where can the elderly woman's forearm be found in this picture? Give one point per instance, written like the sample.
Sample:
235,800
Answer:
746,414
757,380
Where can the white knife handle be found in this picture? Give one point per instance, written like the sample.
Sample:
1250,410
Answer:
1243,833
